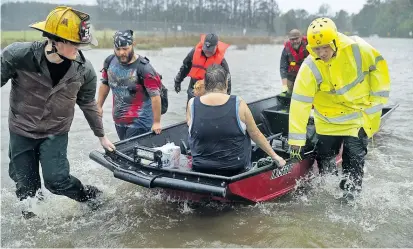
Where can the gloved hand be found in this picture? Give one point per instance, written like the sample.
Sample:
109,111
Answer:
278,162
177,87
296,152
264,162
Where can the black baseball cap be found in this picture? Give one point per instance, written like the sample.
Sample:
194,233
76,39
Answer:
211,41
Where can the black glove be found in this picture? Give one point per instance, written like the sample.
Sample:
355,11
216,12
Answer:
177,87
266,162
296,152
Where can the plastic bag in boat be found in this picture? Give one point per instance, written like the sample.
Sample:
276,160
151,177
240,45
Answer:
170,155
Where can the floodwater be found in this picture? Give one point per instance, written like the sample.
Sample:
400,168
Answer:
134,217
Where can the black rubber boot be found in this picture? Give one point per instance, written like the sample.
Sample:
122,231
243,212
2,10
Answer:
327,166
354,152
28,215
92,192
92,197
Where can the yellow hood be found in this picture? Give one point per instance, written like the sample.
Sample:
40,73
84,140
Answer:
343,42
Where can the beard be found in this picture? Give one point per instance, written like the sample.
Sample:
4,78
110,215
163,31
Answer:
296,45
127,58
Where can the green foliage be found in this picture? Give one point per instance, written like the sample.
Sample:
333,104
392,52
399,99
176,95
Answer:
144,42
391,18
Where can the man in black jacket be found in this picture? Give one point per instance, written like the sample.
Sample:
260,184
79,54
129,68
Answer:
207,52
293,55
48,78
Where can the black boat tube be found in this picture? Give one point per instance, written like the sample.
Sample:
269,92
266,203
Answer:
99,158
154,181
169,183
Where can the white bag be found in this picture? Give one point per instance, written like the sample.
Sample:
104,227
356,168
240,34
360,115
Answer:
170,155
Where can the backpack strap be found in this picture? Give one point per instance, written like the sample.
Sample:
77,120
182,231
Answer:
139,71
164,91
143,61
140,68
107,62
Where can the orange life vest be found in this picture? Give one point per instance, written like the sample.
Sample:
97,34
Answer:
200,63
296,59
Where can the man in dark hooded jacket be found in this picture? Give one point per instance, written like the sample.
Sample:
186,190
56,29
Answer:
207,52
47,79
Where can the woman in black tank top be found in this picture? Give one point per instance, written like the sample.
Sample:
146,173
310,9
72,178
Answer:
221,128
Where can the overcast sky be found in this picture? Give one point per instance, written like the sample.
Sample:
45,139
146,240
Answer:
351,6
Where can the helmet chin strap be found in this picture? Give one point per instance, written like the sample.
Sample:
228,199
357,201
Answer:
335,46
52,54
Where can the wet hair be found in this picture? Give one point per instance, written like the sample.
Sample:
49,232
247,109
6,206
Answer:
215,78
52,37
56,38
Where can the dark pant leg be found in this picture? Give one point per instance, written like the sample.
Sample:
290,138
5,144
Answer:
190,91
121,130
328,148
55,166
189,98
290,86
24,165
132,132
354,152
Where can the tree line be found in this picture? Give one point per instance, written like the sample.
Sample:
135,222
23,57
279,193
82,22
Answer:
388,18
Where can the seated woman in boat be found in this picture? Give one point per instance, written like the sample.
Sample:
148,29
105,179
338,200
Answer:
221,128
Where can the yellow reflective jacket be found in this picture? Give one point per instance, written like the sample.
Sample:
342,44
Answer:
348,92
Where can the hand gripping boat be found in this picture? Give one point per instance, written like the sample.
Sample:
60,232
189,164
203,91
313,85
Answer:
136,161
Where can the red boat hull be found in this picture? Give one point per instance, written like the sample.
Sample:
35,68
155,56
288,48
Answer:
267,186
259,188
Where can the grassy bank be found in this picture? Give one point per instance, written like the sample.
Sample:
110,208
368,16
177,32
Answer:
146,41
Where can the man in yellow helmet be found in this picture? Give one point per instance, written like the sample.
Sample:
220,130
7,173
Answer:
347,81
48,78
